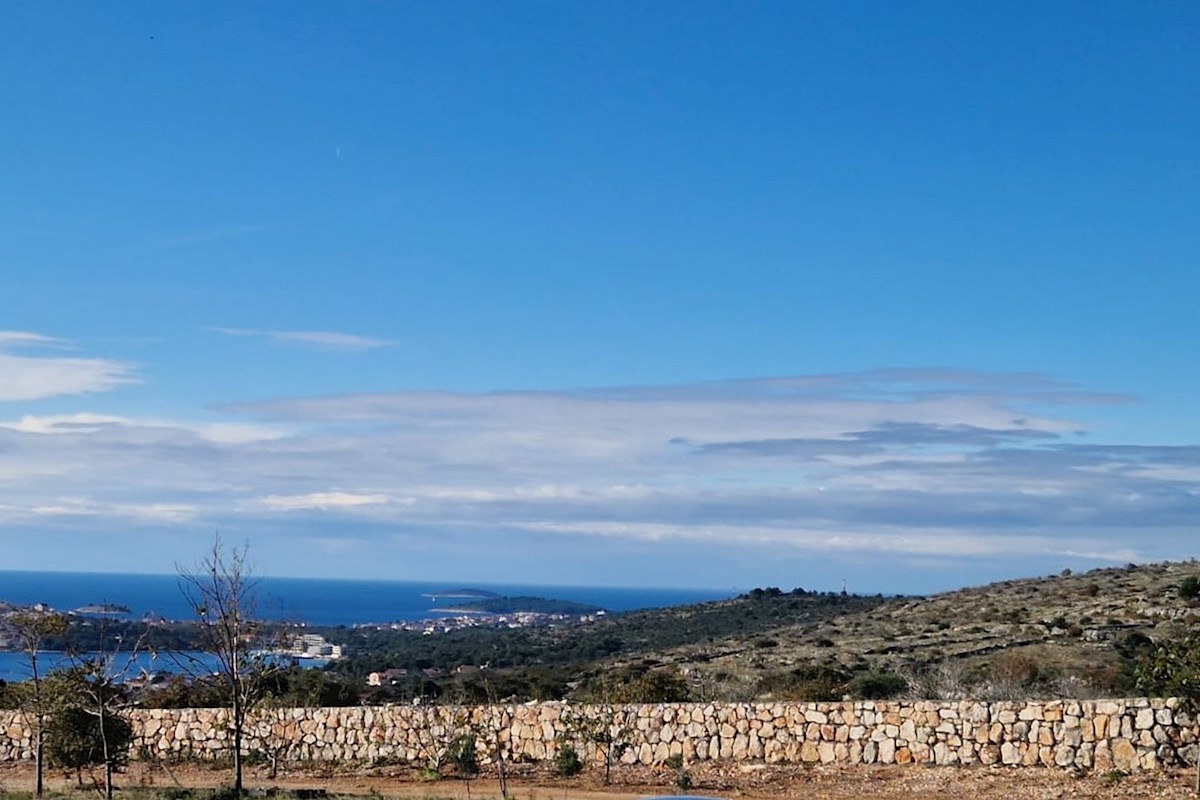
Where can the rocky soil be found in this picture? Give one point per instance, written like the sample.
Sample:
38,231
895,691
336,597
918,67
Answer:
749,783
1068,623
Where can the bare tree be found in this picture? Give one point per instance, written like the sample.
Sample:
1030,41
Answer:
605,728
439,729
221,591
32,628
497,719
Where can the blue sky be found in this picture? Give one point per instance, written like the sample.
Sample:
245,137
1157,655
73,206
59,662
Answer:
712,294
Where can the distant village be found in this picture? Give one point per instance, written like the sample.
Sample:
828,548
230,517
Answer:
518,619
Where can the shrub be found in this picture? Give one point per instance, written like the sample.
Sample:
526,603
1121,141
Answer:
567,763
464,757
74,740
1014,669
1189,588
809,683
661,686
878,686
683,780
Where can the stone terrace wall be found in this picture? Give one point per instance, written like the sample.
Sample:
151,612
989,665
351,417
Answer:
1131,734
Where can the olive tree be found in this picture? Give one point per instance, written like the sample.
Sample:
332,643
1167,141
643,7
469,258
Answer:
1172,669
31,628
87,727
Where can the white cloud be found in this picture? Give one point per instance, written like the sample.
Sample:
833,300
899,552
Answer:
19,338
321,500
35,377
316,340
84,422
951,466
65,423
83,507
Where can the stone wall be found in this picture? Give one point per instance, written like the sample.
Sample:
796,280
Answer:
1130,734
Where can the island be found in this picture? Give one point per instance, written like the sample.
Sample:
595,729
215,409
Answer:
104,609
527,605
461,594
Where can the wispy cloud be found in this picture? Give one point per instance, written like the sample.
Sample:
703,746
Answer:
34,377
313,340
321,501
19,338
84,422
206,236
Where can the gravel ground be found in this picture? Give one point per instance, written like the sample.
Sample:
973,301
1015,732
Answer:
749,782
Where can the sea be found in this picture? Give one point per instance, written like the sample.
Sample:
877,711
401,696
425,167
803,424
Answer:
312,601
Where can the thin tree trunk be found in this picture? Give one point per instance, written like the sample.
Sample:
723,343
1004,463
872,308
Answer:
237,743
108,771
501,770
40,747
39,754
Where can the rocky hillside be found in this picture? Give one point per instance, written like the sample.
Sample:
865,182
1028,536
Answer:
1076,633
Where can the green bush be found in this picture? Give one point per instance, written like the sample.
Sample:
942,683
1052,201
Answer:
662,686
878,686
809,683
1189,588
74,739
567,763
464,757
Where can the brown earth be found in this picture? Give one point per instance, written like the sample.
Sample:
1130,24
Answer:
755,782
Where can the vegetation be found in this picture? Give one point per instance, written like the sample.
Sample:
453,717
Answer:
1172,669
522,604
539,663
31,629
221,593
464,759
606,726
87,727
1077,634
567,763
878,686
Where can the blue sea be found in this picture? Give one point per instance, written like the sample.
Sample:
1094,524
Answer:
314,601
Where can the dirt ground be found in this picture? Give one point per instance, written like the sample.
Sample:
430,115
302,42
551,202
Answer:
748,782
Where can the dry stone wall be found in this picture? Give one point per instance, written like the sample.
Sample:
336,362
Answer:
1127,734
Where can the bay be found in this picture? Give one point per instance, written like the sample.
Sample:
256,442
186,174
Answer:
314,601
14,667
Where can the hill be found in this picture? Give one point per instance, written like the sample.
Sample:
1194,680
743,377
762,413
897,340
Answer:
1069,633
546,662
